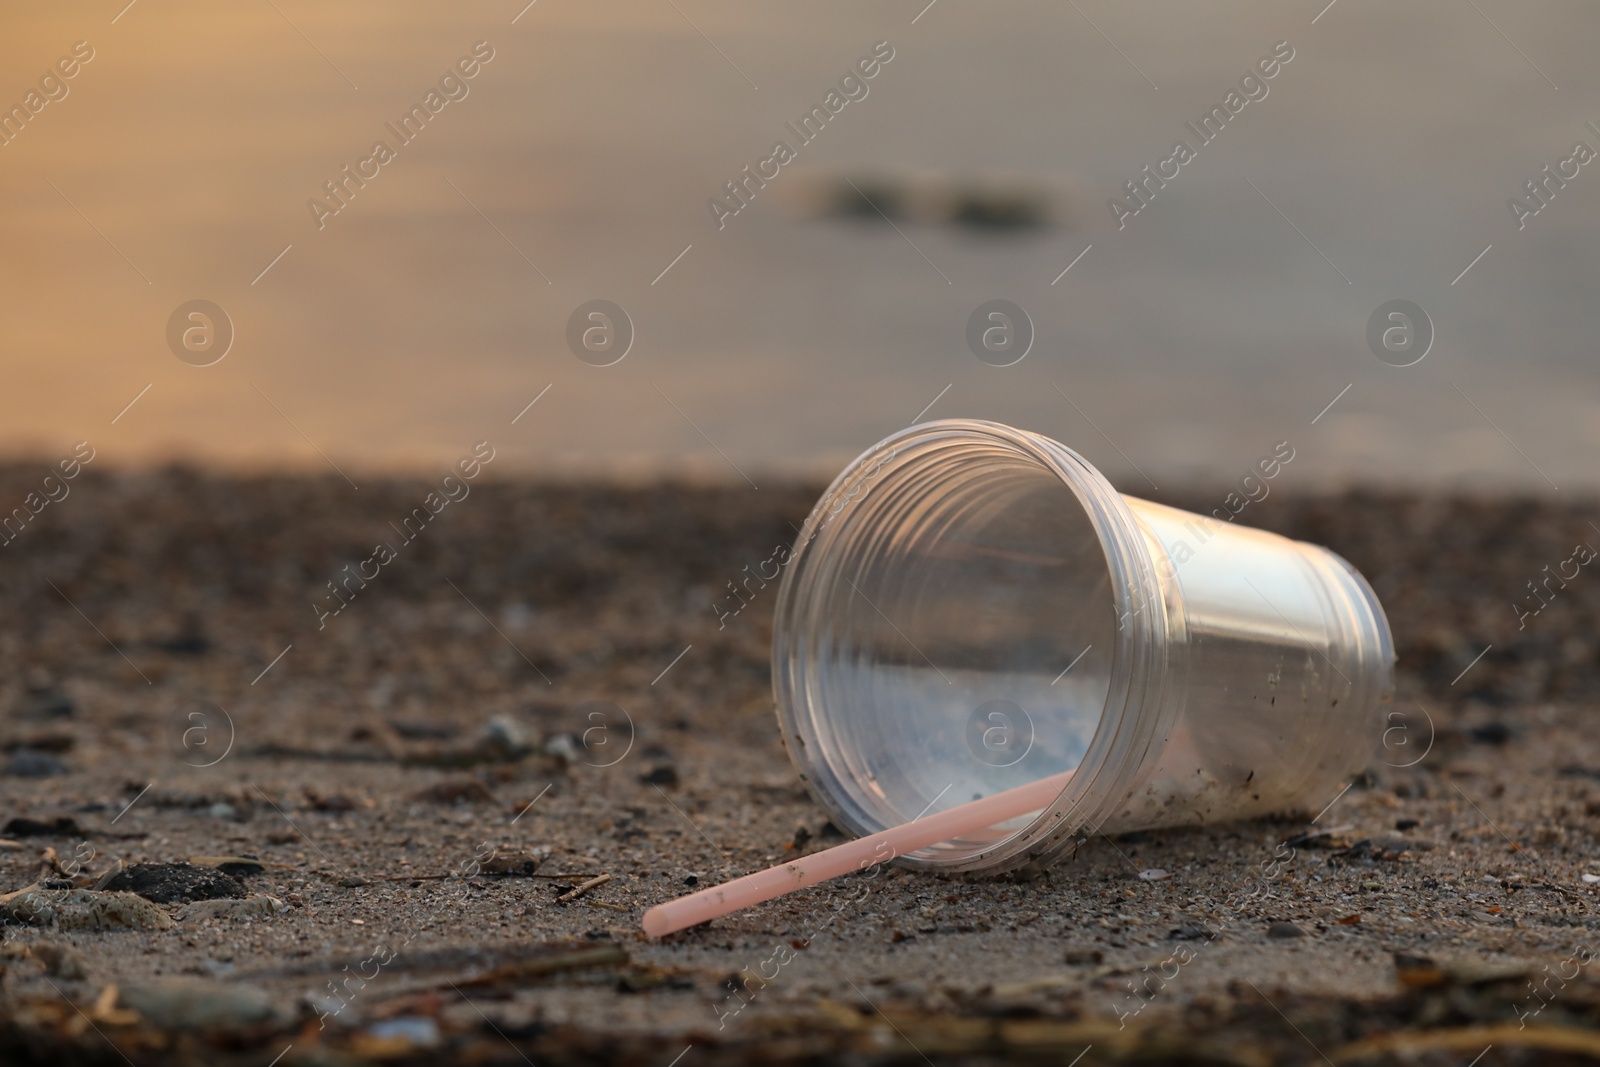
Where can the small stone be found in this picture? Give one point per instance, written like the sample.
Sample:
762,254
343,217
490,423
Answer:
693,879
1406,824
1081,956
1282,930
505,735
666,774
1154,874
563,747
27,763
1191,932
511,862
222,810
1590,879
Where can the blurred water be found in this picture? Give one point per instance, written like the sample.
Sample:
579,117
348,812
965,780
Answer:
1218,323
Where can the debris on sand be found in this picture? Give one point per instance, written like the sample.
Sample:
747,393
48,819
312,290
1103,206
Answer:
257,906
84,909
582,888
509,862
177,883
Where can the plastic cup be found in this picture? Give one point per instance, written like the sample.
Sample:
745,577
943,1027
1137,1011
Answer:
972,608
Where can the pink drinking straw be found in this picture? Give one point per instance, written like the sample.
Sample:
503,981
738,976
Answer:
707,904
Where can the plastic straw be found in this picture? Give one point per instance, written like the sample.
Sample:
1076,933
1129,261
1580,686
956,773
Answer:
707,904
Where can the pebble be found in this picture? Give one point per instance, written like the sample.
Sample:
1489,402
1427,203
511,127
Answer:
1284,930
507,735
29,764
1154,874
511,862
666,774
563,747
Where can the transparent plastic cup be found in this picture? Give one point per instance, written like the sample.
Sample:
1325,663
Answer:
972,608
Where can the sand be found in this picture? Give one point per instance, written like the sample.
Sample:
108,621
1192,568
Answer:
448,712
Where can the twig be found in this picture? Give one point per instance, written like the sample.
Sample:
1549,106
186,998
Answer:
453,874
574,894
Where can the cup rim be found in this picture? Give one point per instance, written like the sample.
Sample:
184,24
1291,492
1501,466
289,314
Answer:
1136,707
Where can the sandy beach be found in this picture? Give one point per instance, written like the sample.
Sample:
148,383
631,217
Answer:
537,685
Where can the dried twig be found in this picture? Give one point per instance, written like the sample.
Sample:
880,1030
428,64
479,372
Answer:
574,894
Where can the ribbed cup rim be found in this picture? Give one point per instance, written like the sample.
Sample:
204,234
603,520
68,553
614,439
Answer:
1139,706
